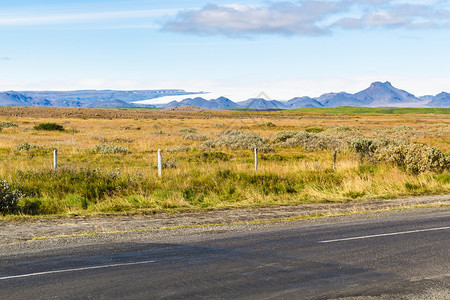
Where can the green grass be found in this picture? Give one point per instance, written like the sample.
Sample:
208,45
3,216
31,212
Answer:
130,108
212,186
371,110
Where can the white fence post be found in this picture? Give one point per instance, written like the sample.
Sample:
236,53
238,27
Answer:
55,160
256,159
159,163
334,160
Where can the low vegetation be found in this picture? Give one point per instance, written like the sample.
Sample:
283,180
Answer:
108,166
49,127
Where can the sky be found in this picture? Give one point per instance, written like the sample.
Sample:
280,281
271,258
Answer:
230,48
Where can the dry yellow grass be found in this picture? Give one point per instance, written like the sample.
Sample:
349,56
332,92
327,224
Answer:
143,136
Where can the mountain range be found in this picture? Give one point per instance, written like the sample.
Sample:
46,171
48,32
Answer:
379,94
84,98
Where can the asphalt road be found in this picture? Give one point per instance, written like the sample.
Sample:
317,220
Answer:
386,257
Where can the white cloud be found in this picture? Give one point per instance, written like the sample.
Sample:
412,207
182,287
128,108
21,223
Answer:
71,18
308,17
280,17
383,19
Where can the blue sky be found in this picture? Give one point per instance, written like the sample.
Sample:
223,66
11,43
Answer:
238,49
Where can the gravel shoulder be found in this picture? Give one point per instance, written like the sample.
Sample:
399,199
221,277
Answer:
22,231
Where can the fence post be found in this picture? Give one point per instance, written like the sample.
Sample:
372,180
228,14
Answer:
334,159
256,159
159,163
55,160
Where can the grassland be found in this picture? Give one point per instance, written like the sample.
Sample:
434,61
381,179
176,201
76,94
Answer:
107,158
373,110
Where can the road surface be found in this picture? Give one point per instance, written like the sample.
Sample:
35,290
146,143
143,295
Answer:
384,257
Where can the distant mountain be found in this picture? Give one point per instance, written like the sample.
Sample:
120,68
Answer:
384,94
340,99
426,97
109,103
261,103
440,100
225,103
66,103
302,102
17,99
219,103
198,101
82,97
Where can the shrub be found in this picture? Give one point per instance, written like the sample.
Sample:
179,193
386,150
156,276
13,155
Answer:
342,129
414,157
268,124
188,130
130,127
179,149
73,200
167,164
8,197
109,149
237,140
364,147
312,141
314,129
38,206
211,157
115,140
6,124
49,127
282,136
421,158
31,206
28,147
195,137
309,141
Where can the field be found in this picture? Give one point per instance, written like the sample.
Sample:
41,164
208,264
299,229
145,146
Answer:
107,158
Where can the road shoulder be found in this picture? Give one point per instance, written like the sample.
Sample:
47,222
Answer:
22,231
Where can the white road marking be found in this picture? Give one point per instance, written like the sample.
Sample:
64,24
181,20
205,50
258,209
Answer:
384,234
77,269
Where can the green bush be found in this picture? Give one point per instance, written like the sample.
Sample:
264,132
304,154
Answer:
49,127
73,201
31,206
8,197
38,206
